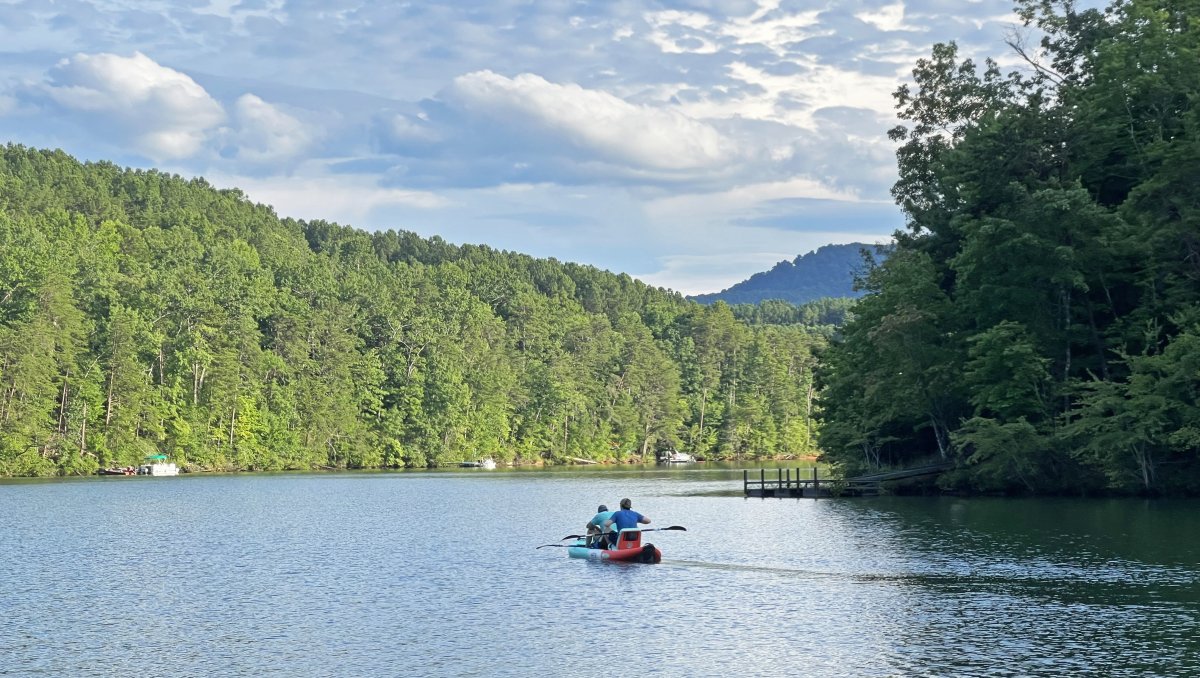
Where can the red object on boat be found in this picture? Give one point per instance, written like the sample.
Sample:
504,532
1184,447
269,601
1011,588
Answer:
629,549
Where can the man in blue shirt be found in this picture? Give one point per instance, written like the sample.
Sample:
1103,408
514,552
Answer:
596,526
623,520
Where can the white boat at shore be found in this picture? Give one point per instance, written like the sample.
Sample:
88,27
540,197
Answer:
674,457
158,465
488,463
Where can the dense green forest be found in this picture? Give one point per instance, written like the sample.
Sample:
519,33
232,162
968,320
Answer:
1038,323
827,272
141,312
823,315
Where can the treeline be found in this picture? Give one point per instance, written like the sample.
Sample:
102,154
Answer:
1039,322
824,315
143,313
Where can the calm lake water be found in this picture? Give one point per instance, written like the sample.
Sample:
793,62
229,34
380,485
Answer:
435,573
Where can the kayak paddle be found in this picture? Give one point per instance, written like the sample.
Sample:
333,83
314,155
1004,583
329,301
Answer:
677,528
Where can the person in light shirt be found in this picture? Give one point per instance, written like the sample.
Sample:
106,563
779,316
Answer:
595,527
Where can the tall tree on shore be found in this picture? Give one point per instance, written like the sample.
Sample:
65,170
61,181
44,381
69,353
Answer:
1053,221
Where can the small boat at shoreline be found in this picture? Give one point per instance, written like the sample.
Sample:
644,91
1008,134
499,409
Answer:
118,471
488,463
629,549
674,457
157,465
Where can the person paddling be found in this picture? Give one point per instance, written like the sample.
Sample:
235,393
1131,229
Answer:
595,526
624,519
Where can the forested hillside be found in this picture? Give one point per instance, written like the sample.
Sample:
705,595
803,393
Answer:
1039,322
141,313
824,315
826,272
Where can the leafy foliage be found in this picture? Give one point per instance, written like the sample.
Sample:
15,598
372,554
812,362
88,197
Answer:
1036,322
141,313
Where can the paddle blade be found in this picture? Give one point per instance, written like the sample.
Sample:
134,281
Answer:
680,528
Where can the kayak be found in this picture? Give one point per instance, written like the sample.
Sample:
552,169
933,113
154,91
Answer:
629,549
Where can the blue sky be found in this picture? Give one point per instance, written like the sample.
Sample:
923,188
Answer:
689,143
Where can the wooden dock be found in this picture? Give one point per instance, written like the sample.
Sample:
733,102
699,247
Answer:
784,484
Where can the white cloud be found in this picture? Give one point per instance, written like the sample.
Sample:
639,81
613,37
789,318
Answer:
699,144
788,97
160,111
264,133
605,126
887,18
312,193
823,85
739,200
403,128
703,273
776,33
676,32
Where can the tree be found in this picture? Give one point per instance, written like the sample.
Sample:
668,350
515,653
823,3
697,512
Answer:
1051,228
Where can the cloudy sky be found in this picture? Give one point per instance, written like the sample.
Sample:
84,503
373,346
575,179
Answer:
689,143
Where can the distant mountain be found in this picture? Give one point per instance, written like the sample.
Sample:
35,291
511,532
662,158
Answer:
826,272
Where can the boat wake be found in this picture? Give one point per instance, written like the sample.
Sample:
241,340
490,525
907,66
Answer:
741,567
1169,586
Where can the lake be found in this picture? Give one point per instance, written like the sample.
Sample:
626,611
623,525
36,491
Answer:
436,574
